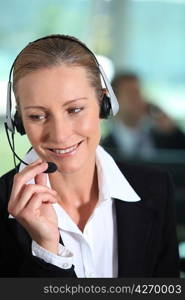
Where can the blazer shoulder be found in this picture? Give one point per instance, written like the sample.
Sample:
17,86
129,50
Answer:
152,184
138,170
7,178
6,182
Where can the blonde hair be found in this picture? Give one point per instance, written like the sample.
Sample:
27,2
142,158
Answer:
56,50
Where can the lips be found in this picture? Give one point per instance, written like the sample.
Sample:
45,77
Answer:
65,150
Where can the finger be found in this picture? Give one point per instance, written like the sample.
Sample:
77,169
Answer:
33,169
37,200
17,204
21,178
33,208
41,179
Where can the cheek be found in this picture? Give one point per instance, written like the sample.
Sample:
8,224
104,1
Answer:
90,127
33,131
34,135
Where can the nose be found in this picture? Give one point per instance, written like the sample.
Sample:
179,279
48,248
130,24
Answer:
59,129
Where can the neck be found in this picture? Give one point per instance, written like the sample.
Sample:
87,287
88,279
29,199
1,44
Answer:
77,188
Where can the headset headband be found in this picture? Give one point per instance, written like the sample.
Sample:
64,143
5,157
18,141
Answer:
113,99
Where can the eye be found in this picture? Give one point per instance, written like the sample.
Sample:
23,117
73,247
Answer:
37,117
75,110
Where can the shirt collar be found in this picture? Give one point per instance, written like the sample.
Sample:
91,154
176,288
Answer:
112,183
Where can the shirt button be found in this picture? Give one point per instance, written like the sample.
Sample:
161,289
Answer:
65,266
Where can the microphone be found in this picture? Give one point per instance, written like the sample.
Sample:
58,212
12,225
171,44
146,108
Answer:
52,167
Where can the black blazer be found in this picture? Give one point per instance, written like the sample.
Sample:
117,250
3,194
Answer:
147,243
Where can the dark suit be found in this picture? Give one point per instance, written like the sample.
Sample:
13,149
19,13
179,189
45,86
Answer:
147,245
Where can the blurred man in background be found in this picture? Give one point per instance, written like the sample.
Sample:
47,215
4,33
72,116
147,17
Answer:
165,133
129,135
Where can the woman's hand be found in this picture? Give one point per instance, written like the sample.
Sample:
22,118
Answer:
31,205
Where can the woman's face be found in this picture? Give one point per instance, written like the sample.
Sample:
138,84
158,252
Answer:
60,113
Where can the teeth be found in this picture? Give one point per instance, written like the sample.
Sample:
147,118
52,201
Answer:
59,151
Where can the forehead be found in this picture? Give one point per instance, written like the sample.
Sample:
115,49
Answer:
59,72
58,76
63,81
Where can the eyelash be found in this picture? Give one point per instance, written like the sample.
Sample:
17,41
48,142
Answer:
37,117
73,111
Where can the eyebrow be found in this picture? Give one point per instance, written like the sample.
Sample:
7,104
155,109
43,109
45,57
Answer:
65,104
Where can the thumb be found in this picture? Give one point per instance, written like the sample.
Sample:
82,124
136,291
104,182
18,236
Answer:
41,179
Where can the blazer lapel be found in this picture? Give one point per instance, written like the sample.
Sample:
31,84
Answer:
134,225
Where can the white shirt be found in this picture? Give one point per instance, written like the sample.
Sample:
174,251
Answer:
93,252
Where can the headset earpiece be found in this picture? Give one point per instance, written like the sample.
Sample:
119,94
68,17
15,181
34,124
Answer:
18,123
105,108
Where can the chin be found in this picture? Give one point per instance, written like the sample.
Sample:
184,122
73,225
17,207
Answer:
74,165
69,169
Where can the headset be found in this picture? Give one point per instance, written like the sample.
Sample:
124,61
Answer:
108,107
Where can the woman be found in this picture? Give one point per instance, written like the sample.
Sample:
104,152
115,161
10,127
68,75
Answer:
85,219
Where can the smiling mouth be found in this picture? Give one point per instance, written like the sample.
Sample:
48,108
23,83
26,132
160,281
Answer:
66,150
